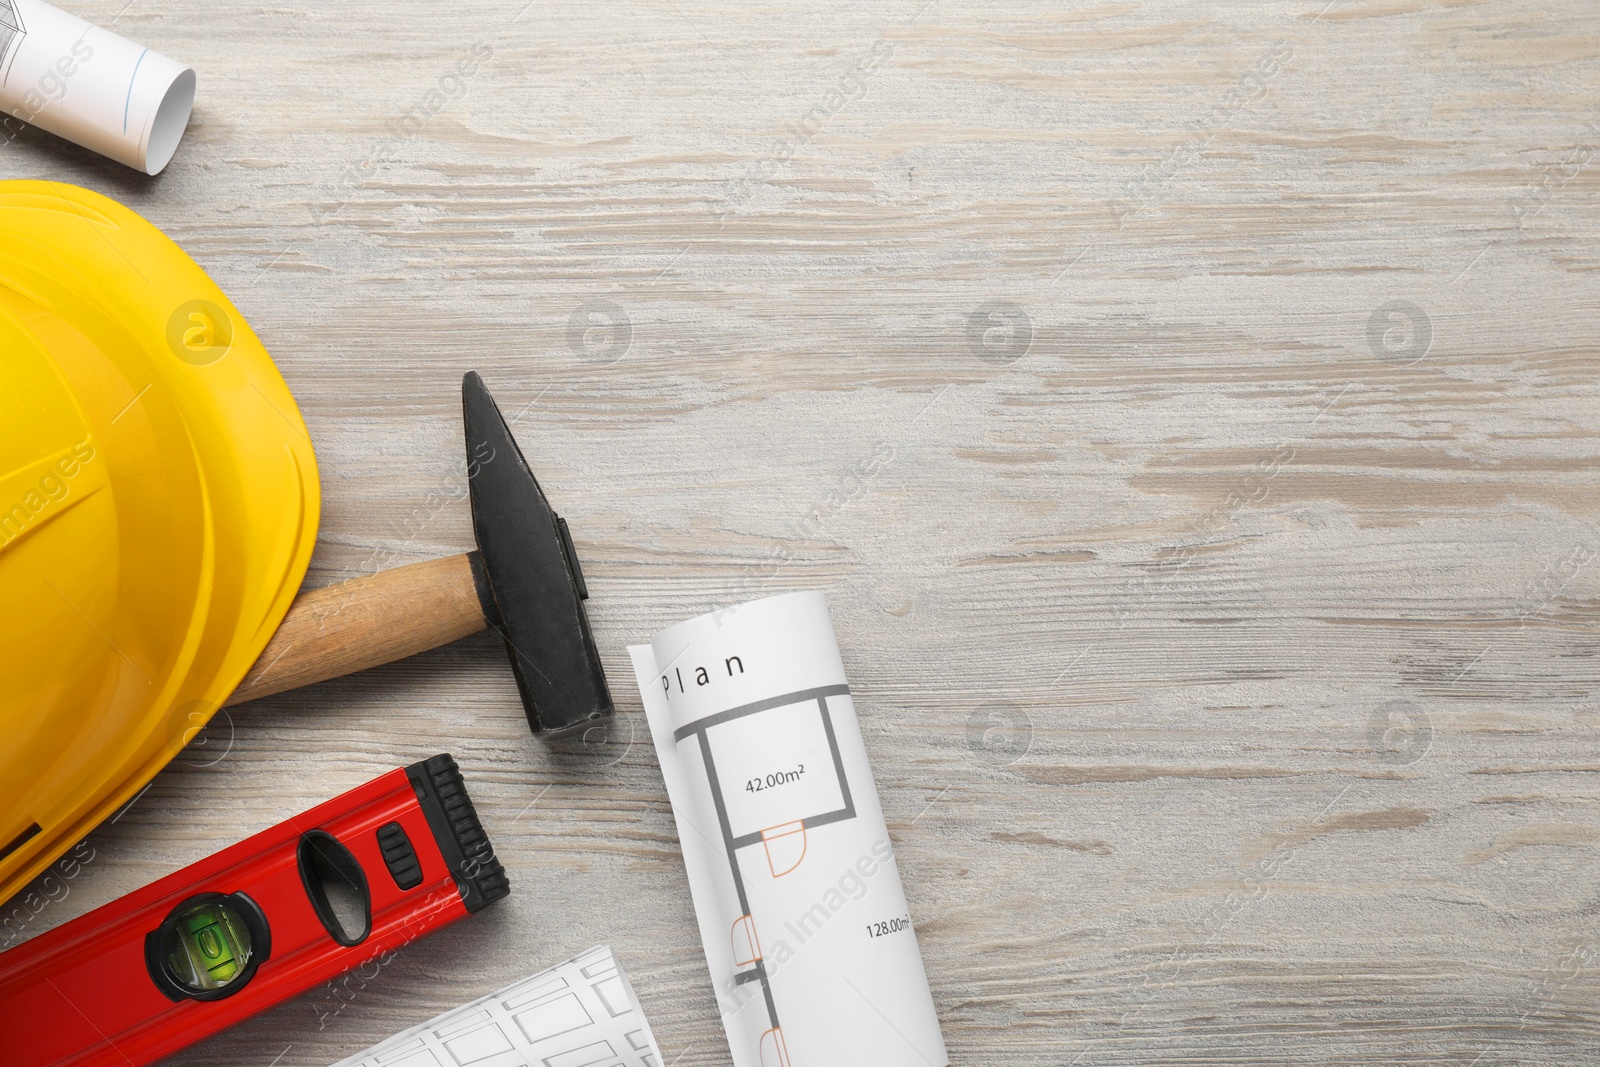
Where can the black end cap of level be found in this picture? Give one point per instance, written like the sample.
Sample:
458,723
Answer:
442,792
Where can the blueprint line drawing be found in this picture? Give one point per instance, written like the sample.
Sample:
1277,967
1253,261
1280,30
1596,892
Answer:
772,1039
12,32
581,1013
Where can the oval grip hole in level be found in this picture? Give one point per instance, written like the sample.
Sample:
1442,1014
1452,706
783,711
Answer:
337,887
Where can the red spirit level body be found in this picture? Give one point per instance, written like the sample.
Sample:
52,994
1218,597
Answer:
259,922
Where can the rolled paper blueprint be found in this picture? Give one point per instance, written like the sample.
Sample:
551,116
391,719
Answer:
98,90
577,1013
805,925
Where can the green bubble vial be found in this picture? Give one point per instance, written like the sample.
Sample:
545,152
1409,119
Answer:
208,946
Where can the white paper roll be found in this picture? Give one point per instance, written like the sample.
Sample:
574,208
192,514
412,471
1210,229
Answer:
98,90
802,915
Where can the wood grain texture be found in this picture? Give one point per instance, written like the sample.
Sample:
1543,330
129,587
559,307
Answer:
345,627
1189,408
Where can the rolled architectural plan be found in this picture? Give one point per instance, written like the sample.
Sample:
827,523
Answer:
805,924
98,90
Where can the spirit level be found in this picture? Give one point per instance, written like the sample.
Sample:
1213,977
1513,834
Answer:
259,922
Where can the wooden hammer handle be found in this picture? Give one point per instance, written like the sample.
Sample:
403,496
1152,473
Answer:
350,626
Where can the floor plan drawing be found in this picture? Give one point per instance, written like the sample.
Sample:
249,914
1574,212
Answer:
760,735
582,1013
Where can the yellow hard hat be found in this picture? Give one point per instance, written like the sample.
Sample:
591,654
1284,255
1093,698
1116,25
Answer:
158,508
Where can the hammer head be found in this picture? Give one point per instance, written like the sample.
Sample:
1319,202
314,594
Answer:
527,575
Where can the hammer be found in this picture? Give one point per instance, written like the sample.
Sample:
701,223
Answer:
523,580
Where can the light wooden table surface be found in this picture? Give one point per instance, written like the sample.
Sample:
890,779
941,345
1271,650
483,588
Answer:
1190,410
